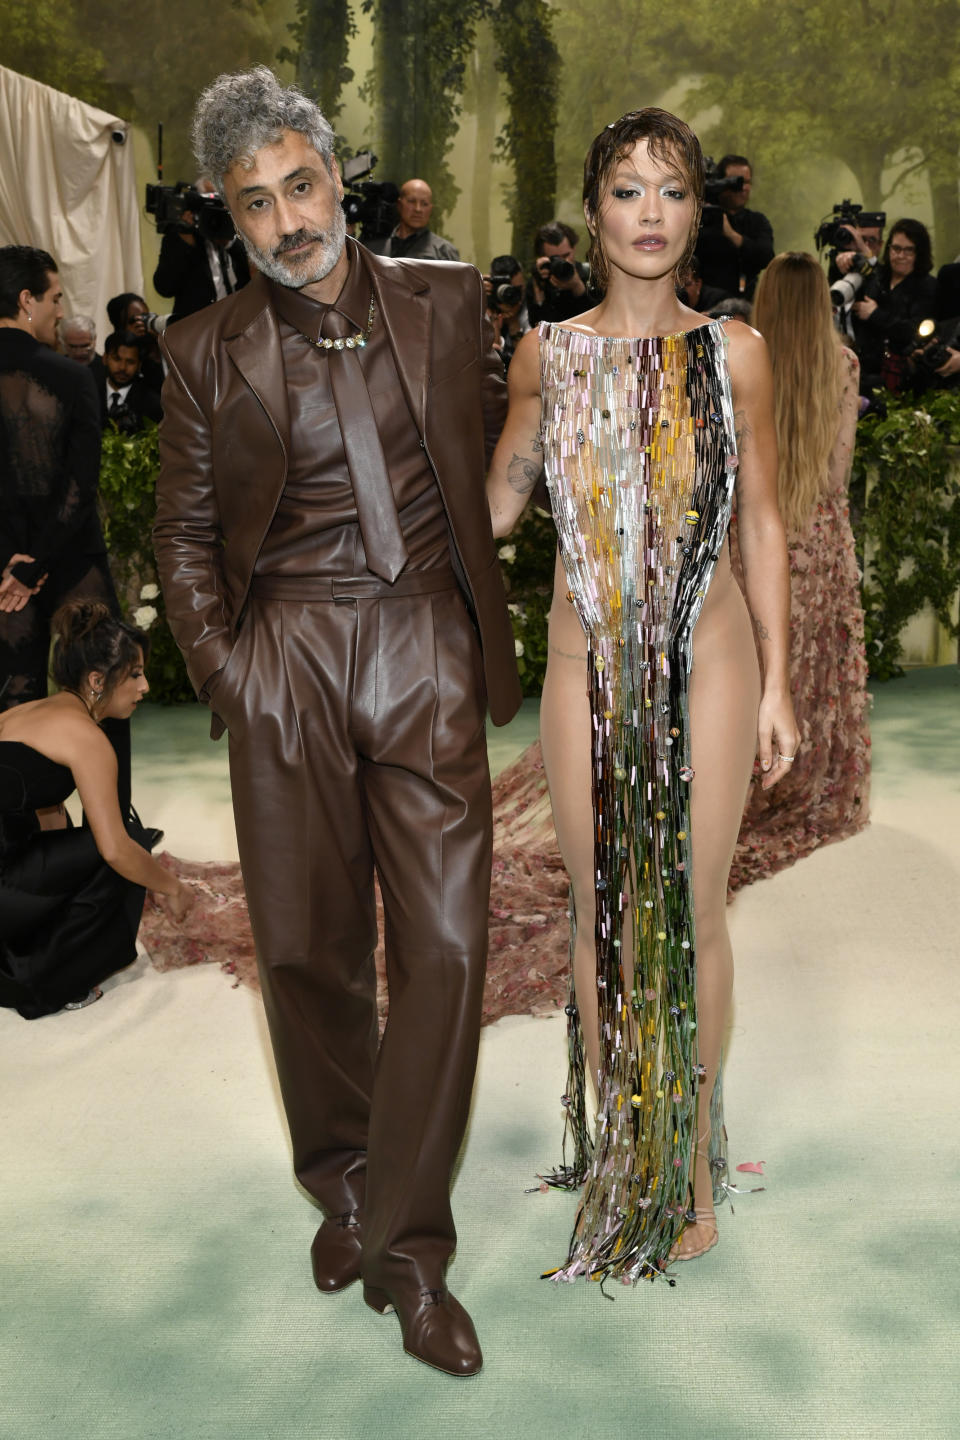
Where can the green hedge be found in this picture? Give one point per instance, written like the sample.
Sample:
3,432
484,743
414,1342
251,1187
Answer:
907,519
128,500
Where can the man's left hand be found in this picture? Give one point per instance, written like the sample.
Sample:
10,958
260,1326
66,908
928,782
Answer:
951,366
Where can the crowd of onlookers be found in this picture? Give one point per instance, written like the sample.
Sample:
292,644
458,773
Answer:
128,373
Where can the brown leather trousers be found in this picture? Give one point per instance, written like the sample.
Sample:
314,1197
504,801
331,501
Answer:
357,743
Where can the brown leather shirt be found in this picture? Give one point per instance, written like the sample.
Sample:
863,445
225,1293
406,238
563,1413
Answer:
315,529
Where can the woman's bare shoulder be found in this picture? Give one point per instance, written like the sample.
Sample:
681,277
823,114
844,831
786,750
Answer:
748,358
61,731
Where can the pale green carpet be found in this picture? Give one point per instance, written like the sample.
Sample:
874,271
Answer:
153,1248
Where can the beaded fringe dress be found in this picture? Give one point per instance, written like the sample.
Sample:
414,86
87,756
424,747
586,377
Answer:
640,456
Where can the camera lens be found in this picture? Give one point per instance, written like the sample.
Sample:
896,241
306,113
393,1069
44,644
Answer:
508,294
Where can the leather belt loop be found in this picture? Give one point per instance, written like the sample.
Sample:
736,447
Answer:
339,590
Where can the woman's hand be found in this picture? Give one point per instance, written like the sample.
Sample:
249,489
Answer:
778,738
863,309
180,903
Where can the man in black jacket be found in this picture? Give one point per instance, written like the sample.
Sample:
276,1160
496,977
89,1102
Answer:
126,400
51,543
732,252
196,271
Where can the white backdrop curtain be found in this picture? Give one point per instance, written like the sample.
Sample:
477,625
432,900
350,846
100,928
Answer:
69,187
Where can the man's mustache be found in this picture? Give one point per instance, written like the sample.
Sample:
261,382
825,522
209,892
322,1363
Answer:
301,237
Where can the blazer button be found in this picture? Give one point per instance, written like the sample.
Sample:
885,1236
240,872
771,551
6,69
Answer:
423,444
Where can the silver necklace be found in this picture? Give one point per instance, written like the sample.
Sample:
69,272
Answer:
347,342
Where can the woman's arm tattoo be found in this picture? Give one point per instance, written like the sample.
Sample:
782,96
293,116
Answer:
522,474
743,431
762,630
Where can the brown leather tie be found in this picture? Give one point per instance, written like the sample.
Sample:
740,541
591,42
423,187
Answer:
376,508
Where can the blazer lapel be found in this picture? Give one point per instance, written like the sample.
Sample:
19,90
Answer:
407,310
255,350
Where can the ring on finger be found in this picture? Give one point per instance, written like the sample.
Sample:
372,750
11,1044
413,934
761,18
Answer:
786,759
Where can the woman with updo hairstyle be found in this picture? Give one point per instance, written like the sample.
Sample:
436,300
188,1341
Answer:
70,900
645,418
826,794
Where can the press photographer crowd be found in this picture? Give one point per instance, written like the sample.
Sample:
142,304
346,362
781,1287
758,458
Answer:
902,321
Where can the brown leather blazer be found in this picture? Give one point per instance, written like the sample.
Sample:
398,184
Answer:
225,440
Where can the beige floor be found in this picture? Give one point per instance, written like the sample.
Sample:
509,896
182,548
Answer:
153,1246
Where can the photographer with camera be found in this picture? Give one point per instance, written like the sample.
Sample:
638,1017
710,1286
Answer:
857,242
202,259
130,313
559,287
735,243
885,321
935,363
855,237
506,309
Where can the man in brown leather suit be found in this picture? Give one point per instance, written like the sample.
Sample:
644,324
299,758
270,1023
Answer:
330,575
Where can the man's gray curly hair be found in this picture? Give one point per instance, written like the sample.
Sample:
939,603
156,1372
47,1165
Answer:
238,114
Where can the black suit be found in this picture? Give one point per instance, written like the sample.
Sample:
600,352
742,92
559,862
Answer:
183,272
140,403
722,264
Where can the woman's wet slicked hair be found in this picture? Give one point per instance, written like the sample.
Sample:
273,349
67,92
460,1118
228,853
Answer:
669,140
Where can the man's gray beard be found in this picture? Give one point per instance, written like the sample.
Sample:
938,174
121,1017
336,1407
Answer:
275,268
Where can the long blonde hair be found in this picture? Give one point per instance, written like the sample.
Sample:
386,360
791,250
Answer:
792,312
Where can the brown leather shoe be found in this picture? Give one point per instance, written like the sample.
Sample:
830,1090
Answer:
335,1252
435,1327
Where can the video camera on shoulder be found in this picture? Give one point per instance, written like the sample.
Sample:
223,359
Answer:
211,218
714,186
368,204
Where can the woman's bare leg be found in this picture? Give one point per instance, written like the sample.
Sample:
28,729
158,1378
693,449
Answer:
565,738
724,700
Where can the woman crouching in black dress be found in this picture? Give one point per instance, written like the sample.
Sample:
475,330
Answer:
70,900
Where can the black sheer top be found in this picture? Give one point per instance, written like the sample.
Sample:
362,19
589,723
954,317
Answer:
49,456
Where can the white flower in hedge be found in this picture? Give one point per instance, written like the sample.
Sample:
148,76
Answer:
144,616
515,609
507,553
149,592
518,648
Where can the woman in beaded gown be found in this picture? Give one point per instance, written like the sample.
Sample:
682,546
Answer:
816,380
644,419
